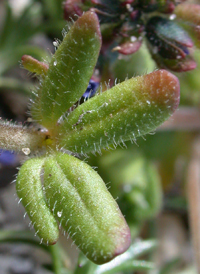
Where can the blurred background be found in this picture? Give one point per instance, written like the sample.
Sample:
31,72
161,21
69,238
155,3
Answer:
156,181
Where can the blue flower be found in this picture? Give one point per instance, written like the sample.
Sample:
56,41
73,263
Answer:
7,158
91,89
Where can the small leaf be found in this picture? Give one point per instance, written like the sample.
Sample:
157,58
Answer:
29,190
126,111
84,207
69,71
33,65
128,47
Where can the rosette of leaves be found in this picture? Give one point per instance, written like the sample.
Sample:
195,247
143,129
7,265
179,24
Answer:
126,24
56,188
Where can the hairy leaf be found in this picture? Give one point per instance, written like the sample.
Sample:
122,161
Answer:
84,207
69,71
30,192
126,111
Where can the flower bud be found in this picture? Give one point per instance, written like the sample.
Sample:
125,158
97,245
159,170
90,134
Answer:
7,158
177,65
168,43
30,191
85,209
91,89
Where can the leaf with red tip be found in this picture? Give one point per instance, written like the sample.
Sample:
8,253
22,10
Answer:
126,111
69,71
80,201
33,65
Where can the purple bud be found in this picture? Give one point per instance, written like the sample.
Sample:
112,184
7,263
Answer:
169,37
169,44
7,158
177,65
91,89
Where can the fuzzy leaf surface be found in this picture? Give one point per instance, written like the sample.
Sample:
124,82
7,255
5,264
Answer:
84,207
29,190
126,111
69,71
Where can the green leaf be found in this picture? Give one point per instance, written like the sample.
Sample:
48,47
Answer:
30,191
69,71
84,207
144,195
126,111
34,66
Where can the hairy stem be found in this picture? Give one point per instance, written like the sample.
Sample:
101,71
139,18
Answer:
18,138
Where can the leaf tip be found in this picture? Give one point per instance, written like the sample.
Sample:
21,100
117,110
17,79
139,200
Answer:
90,20
164,89
33,65
123,241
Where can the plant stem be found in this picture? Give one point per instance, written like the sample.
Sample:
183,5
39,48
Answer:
56,258
18,138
